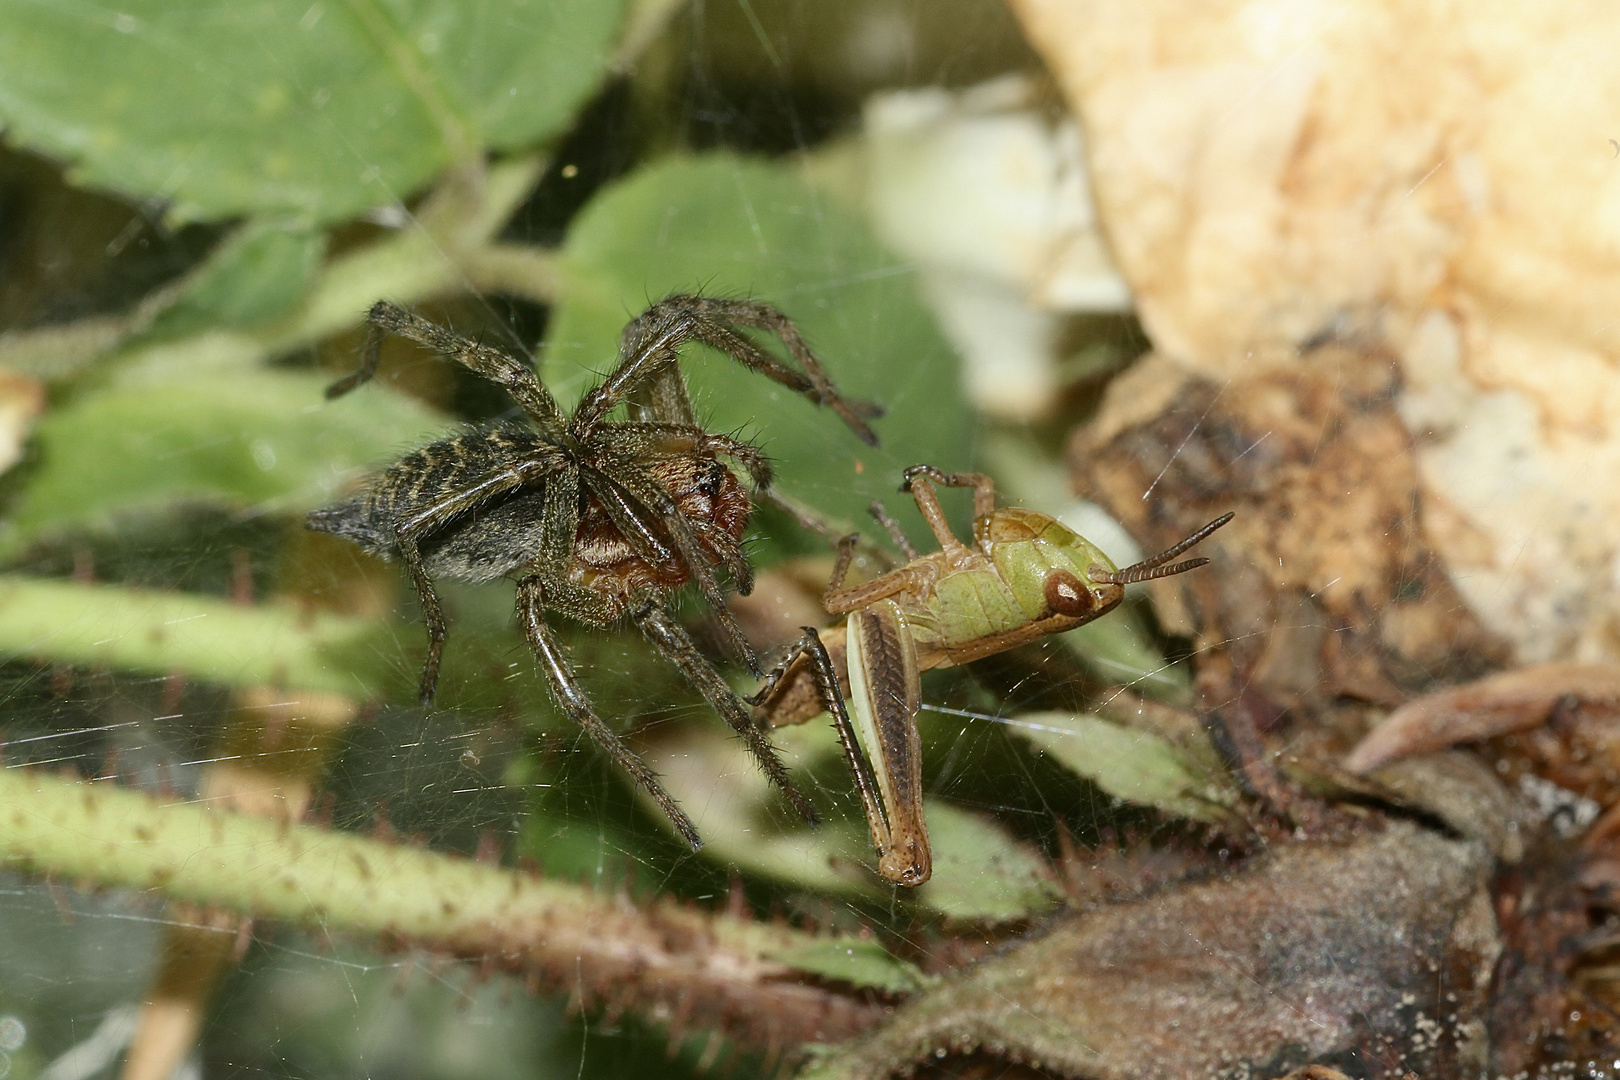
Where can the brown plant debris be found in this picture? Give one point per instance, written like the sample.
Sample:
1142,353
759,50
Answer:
1374,956
1434,172
1511,701
1322,587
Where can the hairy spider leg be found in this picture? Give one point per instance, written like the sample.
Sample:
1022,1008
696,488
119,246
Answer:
817,386
559,522
431,517
650,347
572,700
758,316
560,518
648,435
658,499
519,380
677,646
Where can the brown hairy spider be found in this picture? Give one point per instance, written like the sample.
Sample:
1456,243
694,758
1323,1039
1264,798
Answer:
595,518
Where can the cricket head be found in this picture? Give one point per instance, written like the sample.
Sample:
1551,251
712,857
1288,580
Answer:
1054,571
1050,568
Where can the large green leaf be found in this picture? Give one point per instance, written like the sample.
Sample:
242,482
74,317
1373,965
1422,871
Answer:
311,110
1130,764
253,438
982,873
253,277
730,226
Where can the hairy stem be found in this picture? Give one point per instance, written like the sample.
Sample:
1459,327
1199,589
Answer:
677,965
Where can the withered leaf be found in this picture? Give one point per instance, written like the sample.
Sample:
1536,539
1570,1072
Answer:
1374,956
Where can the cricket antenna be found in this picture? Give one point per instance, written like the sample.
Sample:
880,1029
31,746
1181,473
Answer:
1155,567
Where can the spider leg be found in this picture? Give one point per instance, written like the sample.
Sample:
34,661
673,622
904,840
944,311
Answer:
758,316
571,699
634,521
663,503
663,397
749,456
424,521
559,521
644,437
649,350
676,646
432,614
486,487
494,365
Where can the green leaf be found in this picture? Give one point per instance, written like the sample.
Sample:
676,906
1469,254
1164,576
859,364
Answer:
730,226
742,818
309,110
1119,649
255,438
981,872
1129,764
254,277
855,960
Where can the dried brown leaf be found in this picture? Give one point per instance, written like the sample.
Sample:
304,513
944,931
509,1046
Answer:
1512,701
1378,952
1323,586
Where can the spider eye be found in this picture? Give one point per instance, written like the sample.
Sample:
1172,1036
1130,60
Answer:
1068,595
714,479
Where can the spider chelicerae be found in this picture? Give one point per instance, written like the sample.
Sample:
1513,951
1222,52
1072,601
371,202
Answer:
596,518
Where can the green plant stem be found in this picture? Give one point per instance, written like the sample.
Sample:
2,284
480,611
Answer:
676,964
163,632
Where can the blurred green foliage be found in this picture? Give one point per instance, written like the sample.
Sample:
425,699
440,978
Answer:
312,111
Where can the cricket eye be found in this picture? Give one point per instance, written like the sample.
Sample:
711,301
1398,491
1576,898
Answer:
1068,595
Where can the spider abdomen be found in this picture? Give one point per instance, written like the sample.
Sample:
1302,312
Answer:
488,541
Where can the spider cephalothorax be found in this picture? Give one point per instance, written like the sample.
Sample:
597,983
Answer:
595,518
